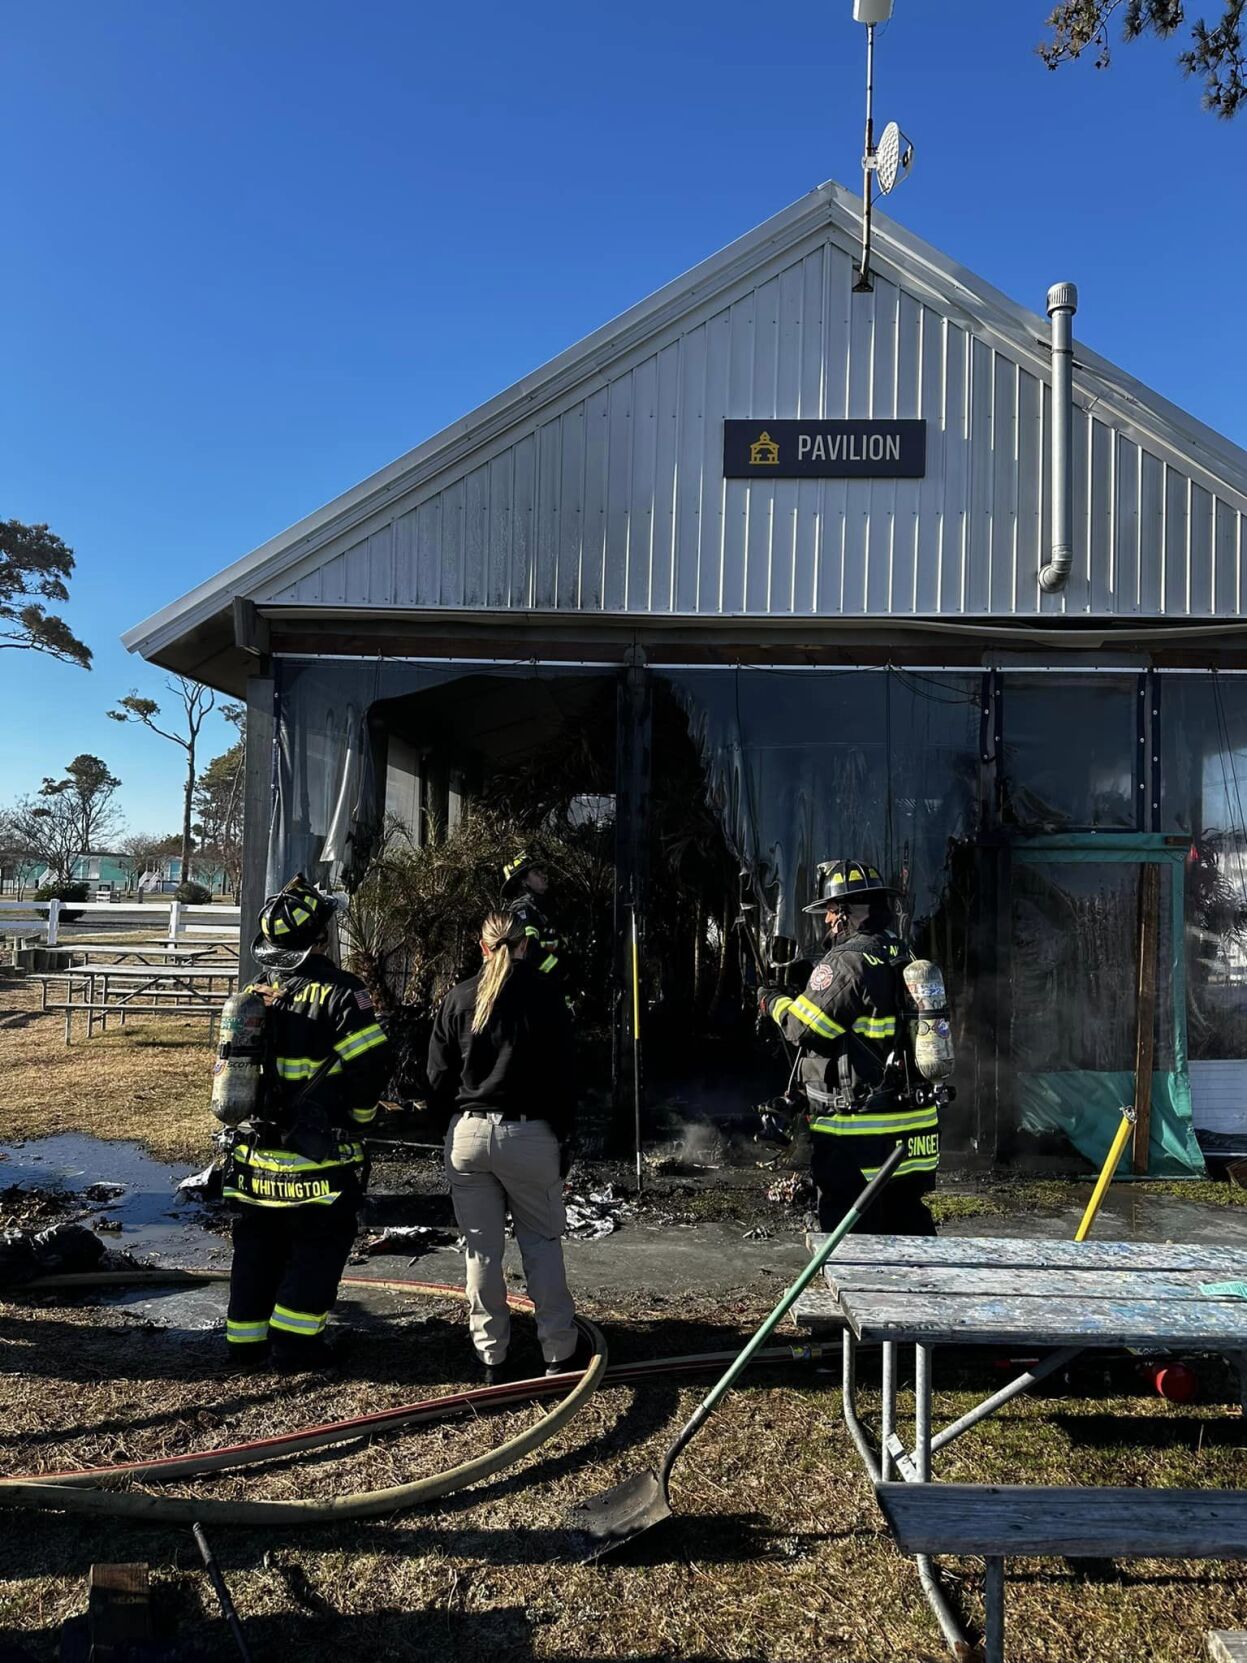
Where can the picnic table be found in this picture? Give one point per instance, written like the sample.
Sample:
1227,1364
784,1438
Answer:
996,1291
99,990
149,952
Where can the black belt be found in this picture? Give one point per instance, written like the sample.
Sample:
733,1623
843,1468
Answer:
499,1114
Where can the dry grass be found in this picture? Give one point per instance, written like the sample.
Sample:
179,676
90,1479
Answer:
149,1081
778,1552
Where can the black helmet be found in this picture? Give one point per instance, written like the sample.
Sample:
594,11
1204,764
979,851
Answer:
292,923
846,880
516,870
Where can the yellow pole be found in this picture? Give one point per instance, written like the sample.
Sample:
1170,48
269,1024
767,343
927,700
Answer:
1106,1173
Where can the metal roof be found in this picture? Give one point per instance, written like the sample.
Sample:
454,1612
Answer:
594,486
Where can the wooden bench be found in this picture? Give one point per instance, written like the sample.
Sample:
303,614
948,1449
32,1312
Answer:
1227,1648
998,1521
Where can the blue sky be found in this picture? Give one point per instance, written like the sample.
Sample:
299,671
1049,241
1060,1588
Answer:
255,252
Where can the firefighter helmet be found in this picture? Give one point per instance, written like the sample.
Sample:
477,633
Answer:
516,870
847,880
292,923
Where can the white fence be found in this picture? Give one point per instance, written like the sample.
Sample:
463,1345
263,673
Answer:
173,919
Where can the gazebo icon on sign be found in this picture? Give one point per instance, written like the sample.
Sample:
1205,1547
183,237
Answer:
764,452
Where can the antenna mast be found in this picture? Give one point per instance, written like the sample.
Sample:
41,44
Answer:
892,160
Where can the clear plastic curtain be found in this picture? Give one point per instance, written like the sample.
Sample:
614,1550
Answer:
805,766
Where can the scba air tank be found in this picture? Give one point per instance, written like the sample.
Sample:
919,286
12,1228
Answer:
930,1028
238,1073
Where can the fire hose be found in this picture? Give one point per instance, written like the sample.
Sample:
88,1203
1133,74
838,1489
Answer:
88,1490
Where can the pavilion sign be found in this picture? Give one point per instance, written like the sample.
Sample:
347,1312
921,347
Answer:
824,449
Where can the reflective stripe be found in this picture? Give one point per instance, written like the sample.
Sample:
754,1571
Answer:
280,927
917,1163
876,1027
364,1117
308,1323
806,1011
288,1161
365,1039
302,1068
548,964
245,1333
250,1200
781,1007
300,915
530,930
877,1125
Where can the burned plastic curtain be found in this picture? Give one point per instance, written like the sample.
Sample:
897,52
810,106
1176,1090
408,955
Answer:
808,765
328,798
1075,931
1203,795
332,736
1069,754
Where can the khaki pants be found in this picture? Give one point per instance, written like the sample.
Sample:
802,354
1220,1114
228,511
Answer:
493,1165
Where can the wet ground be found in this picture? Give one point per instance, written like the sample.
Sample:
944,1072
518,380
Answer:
133,1201
695,1229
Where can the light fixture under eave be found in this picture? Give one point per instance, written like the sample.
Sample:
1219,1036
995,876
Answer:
893,159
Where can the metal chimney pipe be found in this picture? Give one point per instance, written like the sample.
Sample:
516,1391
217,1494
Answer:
1062,304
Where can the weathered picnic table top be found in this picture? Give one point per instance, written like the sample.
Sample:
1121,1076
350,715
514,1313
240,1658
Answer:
1031,1253
1224,1647
141,972
159,951
991,1291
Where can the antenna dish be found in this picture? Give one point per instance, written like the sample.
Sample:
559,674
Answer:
893,159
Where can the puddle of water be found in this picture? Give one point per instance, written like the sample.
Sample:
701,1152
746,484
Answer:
157,1225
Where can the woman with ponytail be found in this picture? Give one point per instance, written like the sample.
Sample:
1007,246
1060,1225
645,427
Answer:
500,1065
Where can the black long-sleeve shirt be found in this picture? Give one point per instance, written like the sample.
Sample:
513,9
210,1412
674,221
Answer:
520,1062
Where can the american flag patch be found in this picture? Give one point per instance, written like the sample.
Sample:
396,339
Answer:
822,977
364,999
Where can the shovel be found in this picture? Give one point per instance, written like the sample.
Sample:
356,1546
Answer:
619,1514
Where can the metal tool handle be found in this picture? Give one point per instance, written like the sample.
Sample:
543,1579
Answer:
221,1591
712,1398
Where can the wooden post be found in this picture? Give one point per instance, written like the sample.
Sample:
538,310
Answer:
257,814
118,1609
1145,1042
54,921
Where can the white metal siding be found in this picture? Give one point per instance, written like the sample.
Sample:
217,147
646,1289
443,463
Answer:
615,499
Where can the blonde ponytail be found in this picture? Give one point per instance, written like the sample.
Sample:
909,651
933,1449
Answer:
498,933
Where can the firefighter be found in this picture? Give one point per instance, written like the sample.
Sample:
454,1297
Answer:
847,1024
296,1173
525,883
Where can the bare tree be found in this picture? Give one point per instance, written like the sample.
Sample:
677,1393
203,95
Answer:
196,701
17,863
1217,53
219,801
47,830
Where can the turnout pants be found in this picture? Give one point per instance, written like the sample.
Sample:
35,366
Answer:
900,1210
494,1165
285,1272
